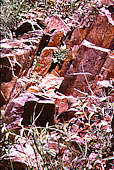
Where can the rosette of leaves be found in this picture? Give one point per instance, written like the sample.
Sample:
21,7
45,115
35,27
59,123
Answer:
60,55
58,59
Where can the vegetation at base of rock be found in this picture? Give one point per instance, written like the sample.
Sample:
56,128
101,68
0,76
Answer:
44,126
65,145
12,12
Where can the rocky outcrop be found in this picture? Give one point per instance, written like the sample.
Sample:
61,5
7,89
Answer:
16,58
88,57
56,23
89,60
31,109
31,94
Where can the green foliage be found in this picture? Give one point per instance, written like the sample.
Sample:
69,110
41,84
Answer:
10,12
81,11
60,55
64,146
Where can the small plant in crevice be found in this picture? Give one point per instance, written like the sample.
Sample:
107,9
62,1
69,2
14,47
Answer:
59,56
36,63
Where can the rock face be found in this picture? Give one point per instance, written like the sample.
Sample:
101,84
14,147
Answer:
26,27
101,32
16,59
56,23
45,60
88,60
30,107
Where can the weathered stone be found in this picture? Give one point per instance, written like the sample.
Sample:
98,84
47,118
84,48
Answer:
27,106
61,104
56,38
16,59
2,99
44,61
88,60
108,68
50,82
55,23
106,73
72,51
75,79
37,34
76,36
26,27
73,40
6,88
101,32
6,69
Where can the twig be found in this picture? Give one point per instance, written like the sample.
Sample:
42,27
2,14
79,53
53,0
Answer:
86,94
34,120
87,81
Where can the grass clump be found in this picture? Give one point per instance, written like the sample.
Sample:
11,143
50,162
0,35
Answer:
10,15
83,142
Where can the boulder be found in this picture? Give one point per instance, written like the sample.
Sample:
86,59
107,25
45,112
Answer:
28,107
16,58
55,23
89,59
26,26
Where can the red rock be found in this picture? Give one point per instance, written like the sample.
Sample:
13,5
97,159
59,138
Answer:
106,73
16,57
108,68
77,36
56,38
101,32
6,88
72,41
2,99
44,62
23,107
88,60
55,22
6,71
